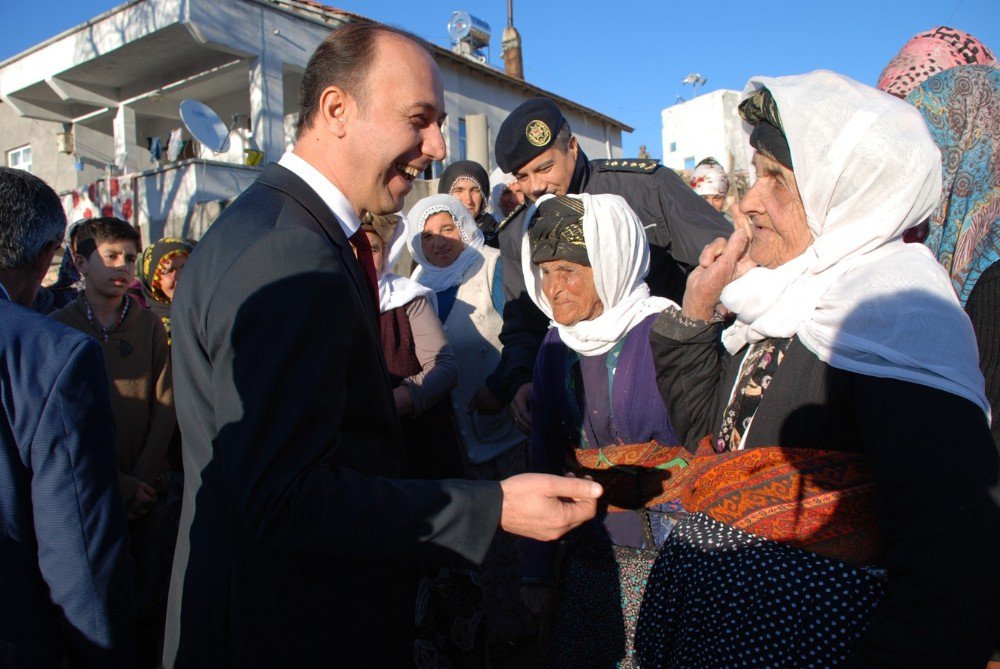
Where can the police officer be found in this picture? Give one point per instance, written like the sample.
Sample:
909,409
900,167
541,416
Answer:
535,144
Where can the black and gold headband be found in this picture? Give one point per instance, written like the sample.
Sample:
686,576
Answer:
556,232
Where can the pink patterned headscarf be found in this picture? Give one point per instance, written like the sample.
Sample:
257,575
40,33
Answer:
929,53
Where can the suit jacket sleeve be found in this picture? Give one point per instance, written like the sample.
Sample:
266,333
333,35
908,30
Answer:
289,341
78,513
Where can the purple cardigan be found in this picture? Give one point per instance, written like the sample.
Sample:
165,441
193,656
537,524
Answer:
638,416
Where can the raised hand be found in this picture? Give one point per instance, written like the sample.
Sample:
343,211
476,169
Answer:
721,262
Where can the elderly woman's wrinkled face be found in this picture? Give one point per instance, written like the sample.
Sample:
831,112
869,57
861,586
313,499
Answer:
441,239
775,209
569,288
468,194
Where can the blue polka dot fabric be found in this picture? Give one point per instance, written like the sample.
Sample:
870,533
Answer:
720,597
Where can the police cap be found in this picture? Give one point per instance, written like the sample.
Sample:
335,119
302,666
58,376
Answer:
528,132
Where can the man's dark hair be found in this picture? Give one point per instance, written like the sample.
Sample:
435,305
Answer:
105,229
31,217
562,137
342,59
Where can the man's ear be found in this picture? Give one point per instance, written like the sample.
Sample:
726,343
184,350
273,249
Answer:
573,146
41,264
79,262
335,109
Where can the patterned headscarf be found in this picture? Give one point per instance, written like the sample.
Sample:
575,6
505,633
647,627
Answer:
768,135
556,232
152,263
962,109
929,53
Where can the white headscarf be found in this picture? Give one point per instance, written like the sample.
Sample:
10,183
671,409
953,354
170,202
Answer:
469,260
619,255
395,290
860,298
499,182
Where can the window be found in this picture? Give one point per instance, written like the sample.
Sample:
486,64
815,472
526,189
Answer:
462,139
673,146
20,158
689,163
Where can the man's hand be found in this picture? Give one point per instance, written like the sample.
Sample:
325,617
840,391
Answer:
721,262
140,501
485,402
520,408
545,507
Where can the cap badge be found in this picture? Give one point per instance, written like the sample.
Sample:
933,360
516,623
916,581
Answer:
538,133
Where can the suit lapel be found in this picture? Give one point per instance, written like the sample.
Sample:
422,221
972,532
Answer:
289,183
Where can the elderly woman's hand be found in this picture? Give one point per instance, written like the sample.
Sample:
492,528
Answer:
721,262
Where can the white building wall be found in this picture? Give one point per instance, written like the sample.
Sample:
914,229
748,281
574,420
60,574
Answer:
469,92
243,41
708,125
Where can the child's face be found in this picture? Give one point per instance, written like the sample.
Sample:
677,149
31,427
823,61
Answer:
110,268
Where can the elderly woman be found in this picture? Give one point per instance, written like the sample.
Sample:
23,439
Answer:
467,181
850,363
585,258
420,362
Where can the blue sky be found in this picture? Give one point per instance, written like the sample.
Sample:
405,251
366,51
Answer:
627,58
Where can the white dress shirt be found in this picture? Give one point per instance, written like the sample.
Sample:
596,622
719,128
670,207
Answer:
330,194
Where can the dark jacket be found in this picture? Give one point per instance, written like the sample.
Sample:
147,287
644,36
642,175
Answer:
296,542
678,223
65,573
933,464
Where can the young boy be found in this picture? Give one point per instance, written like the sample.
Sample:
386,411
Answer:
137,360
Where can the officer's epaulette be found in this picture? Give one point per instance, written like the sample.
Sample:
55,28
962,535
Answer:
625,165
511,216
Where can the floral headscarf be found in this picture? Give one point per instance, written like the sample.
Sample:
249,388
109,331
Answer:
929,53
962,110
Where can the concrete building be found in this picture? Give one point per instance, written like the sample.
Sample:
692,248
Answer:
707,125
91,110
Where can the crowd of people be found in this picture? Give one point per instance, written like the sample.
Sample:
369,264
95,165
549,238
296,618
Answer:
610,414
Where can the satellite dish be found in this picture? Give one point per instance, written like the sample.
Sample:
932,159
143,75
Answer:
205,125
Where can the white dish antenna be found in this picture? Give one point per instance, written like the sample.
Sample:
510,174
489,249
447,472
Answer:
205,125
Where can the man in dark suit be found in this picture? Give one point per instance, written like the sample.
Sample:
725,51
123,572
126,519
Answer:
297,538
65,574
